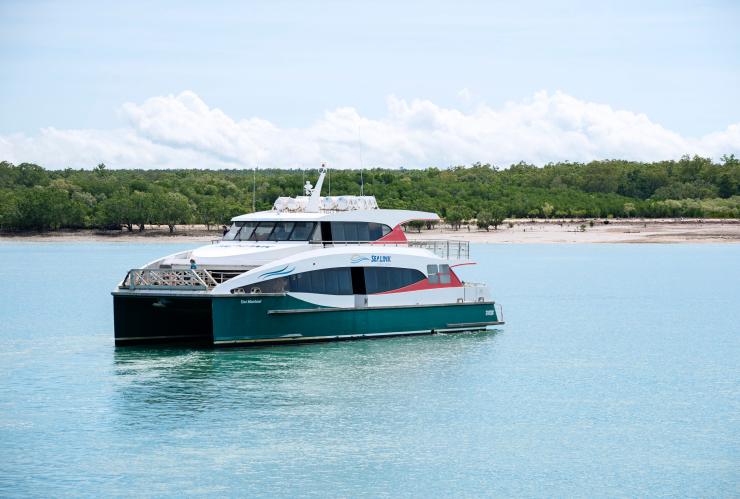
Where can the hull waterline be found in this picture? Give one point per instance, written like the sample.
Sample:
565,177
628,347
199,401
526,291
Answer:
278,319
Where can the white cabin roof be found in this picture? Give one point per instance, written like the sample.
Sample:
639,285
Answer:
387,217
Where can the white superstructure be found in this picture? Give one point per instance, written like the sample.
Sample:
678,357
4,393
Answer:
313,233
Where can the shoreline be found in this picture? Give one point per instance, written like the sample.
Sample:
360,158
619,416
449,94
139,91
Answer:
512,231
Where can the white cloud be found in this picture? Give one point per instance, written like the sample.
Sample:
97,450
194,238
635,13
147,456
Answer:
183,132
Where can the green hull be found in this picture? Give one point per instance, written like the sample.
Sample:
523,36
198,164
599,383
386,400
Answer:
250,319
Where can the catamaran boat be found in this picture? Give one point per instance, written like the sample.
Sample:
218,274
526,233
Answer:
311,269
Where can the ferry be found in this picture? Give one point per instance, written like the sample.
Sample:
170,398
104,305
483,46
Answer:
311,269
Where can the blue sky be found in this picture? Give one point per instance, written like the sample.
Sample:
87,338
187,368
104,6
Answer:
73,66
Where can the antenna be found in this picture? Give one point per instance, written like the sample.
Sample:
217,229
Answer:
254,189
359,142
314,193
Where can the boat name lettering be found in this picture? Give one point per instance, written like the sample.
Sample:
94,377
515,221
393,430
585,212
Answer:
380,259
243,302
490,312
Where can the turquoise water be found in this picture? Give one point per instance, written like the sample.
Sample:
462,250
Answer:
617,373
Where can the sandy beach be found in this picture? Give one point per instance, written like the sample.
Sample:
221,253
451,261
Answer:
596,231
512,231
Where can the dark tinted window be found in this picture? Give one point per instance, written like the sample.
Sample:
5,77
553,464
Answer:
282,231
233,231
262,232
302,231
338,281
279,285
377,231
382,279
357,231
326,281
247,230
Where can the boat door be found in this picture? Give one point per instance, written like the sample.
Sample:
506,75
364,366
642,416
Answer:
360,316
358,287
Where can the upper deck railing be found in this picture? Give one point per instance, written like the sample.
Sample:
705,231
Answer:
443,248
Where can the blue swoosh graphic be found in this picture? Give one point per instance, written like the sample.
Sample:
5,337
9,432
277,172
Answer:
358,259
284,271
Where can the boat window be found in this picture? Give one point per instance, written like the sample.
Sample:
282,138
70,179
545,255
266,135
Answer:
282,231
262,232
382,279
302,231
357,231
377,231
444,274
336,281
439,274
246,232
233,231
340,281
278,285
338,232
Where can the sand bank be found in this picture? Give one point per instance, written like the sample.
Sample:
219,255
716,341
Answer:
595,231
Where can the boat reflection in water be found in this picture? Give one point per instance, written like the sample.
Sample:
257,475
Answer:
269,384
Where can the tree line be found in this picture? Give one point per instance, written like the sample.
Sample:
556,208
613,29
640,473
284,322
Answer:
34,198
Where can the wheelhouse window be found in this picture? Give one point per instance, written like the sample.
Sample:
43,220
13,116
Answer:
247,230
262,231
353,231
270,231
439,274
282,231
233,231
302,231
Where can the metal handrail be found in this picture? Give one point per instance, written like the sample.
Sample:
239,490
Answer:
444,248
450,249
185,279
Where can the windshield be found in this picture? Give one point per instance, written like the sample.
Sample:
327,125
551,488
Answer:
270,231
282,231
233,231
246,233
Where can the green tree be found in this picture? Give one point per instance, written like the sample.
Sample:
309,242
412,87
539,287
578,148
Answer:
629,209
116,210
454,218
547,209
142,206
8,209
171,209
212,210
416,224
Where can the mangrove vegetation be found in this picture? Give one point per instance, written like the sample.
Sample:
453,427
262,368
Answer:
34,198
